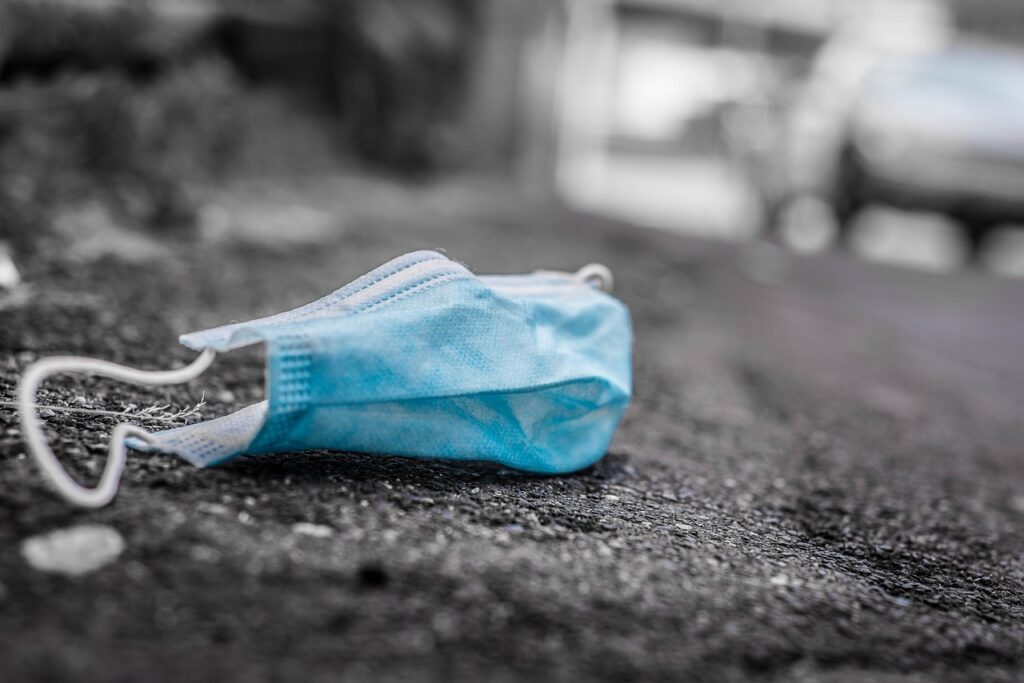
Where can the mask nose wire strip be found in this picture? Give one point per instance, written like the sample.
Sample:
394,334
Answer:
35,439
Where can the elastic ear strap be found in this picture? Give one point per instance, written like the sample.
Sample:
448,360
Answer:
597,274
35,439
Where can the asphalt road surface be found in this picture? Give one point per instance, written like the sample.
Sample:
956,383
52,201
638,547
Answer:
821,477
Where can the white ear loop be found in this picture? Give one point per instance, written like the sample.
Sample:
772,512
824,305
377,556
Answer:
596,274
32,426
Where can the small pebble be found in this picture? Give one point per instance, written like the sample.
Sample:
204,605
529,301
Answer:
203,553
74,551
213,508
9,275
314,530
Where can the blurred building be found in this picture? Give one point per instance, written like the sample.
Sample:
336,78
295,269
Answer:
627,105
667,112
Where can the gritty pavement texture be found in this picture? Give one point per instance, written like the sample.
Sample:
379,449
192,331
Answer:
821,476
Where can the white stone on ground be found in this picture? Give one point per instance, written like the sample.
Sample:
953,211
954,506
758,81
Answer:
9,275
73,551
316,530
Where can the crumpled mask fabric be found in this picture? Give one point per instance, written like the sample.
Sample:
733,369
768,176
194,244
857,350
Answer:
422,358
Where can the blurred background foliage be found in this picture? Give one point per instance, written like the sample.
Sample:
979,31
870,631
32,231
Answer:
143,105
76,135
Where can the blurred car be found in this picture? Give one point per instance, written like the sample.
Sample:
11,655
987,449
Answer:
923,128
943,132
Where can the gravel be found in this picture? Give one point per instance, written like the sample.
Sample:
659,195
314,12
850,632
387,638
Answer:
818,479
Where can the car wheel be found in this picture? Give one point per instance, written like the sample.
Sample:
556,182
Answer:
771,219
848,195
975,233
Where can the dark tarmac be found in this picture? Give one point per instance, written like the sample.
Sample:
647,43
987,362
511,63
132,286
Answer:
821,478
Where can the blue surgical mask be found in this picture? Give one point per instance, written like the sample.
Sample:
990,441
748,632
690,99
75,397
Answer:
418,358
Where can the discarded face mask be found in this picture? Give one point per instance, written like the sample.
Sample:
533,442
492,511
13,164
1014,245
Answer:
418,358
